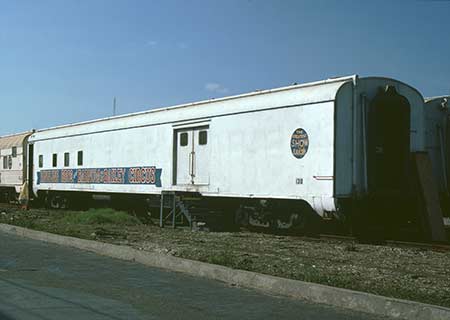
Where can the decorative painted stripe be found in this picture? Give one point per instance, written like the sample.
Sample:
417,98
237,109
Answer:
323,177
122,175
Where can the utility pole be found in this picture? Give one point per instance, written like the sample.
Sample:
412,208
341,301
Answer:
114,106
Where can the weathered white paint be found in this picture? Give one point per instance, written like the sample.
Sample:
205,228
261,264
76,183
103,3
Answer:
248,153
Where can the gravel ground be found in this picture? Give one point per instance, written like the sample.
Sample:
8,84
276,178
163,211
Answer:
408,273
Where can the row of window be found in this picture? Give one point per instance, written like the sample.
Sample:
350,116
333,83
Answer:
7,160
202,138
66,159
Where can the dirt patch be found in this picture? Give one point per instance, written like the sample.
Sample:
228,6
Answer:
407,273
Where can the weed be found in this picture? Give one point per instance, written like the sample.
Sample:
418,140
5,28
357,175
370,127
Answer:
101,216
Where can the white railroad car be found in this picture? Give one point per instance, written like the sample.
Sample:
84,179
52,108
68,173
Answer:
437,117
316,145
13,169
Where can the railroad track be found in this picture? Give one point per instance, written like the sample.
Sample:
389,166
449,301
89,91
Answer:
443,247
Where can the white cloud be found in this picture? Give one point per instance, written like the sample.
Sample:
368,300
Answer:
151,43
182,45
216,87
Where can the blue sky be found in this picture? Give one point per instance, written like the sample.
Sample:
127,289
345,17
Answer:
64,61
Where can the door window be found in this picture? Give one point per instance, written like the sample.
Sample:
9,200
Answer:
184,139
203,137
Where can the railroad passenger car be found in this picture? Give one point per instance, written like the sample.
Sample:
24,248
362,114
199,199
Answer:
13,168
268,156
437,115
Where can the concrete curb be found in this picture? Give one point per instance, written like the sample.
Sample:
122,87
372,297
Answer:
342,298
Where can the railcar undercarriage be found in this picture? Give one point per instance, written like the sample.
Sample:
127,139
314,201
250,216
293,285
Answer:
375,218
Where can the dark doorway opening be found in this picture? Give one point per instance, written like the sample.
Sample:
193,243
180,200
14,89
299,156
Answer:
390,210
389,142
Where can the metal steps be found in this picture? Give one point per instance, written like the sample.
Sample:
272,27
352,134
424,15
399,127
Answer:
178,210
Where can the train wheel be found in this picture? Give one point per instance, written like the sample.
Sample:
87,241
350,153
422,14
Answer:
241,217
306,222
57,202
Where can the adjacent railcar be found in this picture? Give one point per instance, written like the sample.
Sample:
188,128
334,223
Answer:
437,115
319,146
13,165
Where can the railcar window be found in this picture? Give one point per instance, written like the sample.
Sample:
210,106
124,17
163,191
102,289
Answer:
9,162
14,152
184,139
203,137
55,160
5,162
66,159
41,161
80,158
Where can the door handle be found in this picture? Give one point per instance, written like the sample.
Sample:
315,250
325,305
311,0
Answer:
190,164
193,164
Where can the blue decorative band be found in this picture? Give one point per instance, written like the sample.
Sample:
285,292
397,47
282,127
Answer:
128,175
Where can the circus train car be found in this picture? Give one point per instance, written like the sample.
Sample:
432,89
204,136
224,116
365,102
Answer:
13,165
272,158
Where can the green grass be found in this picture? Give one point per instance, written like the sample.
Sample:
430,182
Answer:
101,216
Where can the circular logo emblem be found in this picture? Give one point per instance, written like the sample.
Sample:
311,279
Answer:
299,143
